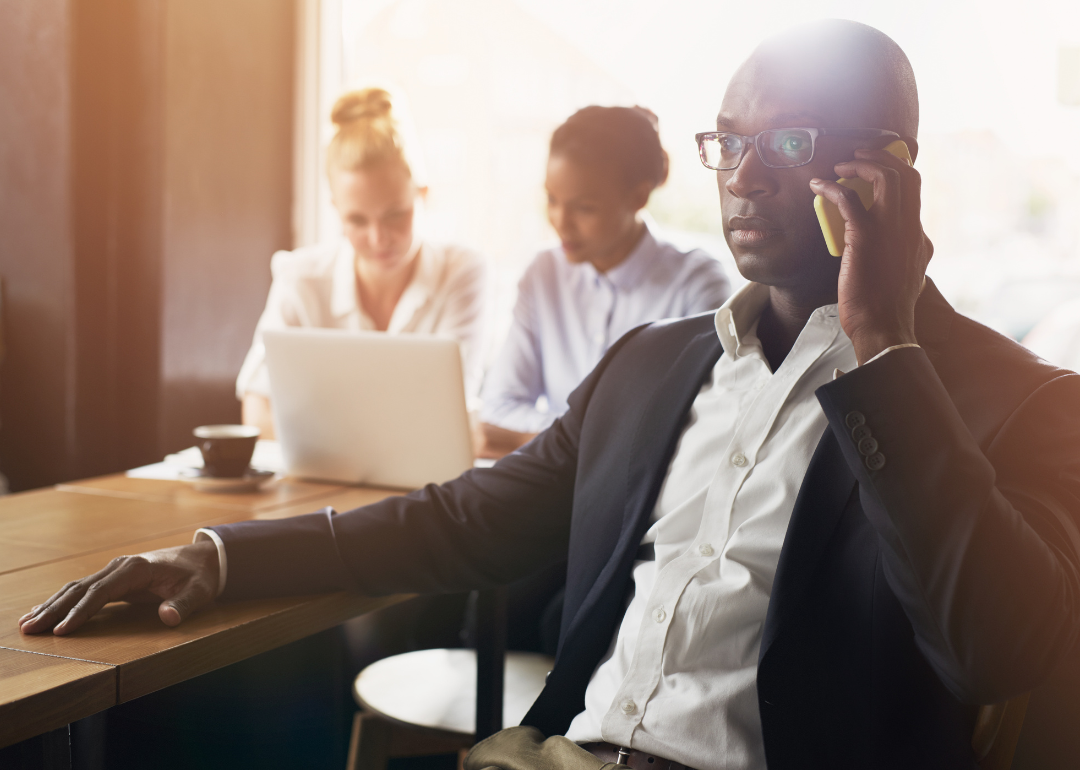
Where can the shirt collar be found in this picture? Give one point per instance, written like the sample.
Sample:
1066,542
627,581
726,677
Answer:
629,273
737,317
344,299
736,320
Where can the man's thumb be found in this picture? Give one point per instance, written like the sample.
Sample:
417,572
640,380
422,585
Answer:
175,610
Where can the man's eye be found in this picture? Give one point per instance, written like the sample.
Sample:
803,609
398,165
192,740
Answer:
793,145
730,145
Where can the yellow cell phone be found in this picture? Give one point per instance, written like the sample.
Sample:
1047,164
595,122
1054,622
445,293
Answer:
829,217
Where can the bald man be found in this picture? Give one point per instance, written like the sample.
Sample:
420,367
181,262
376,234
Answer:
816,528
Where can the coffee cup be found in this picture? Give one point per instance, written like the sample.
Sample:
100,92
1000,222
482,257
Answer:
226,449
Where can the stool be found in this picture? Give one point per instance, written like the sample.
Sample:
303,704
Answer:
424,702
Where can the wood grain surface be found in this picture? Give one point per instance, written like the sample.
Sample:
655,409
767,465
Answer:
49,524
39,693
275,494
149,655
341,500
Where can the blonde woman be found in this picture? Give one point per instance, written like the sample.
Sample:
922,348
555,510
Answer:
382,275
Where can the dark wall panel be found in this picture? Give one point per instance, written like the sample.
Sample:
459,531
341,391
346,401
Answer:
36,440
229,84
145,180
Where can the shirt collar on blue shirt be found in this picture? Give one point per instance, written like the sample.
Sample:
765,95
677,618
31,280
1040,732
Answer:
631,271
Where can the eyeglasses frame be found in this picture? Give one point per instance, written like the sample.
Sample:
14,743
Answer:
755,141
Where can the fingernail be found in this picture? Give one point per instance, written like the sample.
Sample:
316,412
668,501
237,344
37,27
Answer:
815,181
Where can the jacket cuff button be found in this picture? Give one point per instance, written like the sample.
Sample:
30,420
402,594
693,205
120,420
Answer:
854,420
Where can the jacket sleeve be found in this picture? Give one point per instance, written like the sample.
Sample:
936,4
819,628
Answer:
979,544
487,527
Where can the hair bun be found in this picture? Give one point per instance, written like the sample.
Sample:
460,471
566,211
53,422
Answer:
365,104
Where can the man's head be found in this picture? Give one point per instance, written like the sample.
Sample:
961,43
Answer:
827,74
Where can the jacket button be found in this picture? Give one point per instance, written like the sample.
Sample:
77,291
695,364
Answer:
860,432
855,419
867,446
876,461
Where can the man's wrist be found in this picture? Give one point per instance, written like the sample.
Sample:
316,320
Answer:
871,346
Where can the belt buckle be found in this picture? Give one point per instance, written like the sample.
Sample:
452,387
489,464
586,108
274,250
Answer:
621,754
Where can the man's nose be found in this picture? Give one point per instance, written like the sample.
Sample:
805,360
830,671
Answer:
752,178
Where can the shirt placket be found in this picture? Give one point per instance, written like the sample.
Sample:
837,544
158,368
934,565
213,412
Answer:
714,531
601,309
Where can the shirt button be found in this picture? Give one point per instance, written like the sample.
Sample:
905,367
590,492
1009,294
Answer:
659,615
629,707
738,459
705,549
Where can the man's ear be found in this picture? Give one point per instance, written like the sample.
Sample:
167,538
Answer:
912,146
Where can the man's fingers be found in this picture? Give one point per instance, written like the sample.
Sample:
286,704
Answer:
886,180
48,613
131,575
846,199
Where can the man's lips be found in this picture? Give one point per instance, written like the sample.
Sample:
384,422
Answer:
751,231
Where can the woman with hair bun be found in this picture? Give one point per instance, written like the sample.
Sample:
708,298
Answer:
382,275
612,272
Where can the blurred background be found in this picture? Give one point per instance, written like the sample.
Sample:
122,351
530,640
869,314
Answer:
155,153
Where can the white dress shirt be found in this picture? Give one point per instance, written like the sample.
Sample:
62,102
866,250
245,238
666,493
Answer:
567,315
680,679
316,287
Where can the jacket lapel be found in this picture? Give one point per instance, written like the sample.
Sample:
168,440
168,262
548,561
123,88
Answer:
653,445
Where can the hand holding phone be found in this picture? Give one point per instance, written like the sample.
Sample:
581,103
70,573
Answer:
829,217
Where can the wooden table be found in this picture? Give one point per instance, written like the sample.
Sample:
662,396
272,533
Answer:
49,537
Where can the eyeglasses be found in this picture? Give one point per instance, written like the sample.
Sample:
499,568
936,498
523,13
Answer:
777,147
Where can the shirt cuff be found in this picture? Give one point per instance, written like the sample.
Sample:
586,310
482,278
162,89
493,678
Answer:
891,349
223,563
837,373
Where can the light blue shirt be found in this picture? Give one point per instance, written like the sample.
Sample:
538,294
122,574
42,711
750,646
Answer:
567,316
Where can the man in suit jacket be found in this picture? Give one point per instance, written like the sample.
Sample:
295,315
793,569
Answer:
813,529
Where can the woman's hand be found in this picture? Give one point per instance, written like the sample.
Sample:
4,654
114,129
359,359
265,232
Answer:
886,251
186,577
493,442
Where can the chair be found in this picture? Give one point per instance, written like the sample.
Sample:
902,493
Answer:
997,731
443,701
421,703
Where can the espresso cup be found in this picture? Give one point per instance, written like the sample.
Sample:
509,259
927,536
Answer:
226,449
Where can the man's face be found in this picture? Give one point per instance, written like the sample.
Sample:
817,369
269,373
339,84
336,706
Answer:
769,219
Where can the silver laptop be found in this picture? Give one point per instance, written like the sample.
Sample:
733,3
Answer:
367,407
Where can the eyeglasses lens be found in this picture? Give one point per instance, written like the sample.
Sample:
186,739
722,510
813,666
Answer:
722,151
784,148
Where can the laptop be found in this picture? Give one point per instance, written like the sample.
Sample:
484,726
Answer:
368,407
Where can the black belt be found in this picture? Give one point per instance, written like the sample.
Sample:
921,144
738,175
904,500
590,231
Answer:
637,760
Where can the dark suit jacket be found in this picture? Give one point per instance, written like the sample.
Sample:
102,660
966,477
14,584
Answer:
903,596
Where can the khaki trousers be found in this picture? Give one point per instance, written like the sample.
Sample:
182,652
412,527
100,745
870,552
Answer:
525,748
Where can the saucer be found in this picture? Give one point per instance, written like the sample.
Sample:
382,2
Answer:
249,482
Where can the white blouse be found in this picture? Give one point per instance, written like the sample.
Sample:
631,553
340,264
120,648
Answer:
315,286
